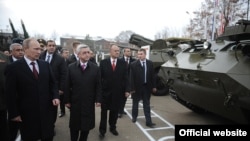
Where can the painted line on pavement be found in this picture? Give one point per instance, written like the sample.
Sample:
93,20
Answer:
146,130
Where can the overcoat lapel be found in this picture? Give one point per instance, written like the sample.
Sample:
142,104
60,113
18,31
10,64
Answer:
26,69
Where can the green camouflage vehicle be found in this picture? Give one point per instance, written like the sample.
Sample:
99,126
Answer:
213,76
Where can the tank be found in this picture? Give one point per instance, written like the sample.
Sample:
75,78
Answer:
160,52
213,76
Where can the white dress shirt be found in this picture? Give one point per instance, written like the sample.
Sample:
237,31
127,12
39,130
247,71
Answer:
28,61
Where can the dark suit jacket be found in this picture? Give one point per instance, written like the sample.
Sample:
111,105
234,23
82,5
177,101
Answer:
67,62
11,59
92,59
31,98
72,58
114,83
137,78
59,68
83,89
130,61
3,63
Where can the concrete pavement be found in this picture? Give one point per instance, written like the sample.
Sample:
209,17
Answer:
128,131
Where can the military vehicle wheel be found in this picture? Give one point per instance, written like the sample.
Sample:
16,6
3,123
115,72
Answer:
190,106
195,109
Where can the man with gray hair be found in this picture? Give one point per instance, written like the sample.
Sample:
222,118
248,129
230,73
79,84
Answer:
82,94
16,51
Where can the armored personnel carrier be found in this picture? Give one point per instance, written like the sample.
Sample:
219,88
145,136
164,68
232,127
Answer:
213,76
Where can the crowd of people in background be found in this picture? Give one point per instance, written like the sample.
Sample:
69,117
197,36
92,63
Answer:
36,81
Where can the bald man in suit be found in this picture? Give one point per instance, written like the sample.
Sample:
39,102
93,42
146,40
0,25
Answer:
114,78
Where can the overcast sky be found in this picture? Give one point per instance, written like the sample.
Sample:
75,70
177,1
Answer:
106,18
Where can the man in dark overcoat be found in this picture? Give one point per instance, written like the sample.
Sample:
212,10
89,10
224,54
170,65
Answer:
114,78
83,92
4,61
32,94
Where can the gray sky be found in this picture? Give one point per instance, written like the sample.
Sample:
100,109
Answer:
106,18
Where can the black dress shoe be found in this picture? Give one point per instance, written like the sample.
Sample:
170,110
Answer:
119,115
151,125
61,114
102,135
114,132
134,120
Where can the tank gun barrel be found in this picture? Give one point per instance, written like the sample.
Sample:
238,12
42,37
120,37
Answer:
132,48
140,41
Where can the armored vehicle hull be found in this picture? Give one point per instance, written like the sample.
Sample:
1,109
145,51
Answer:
214,79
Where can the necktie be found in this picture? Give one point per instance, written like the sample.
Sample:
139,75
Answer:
113,65
48,58
83,67
127,61
144,72
34,70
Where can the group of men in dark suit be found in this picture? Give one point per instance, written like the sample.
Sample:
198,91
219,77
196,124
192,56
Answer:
36,81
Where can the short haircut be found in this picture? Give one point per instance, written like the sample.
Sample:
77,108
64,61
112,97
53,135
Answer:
142,50
80,46
50,41
13,45
64,49
76,43
125,49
